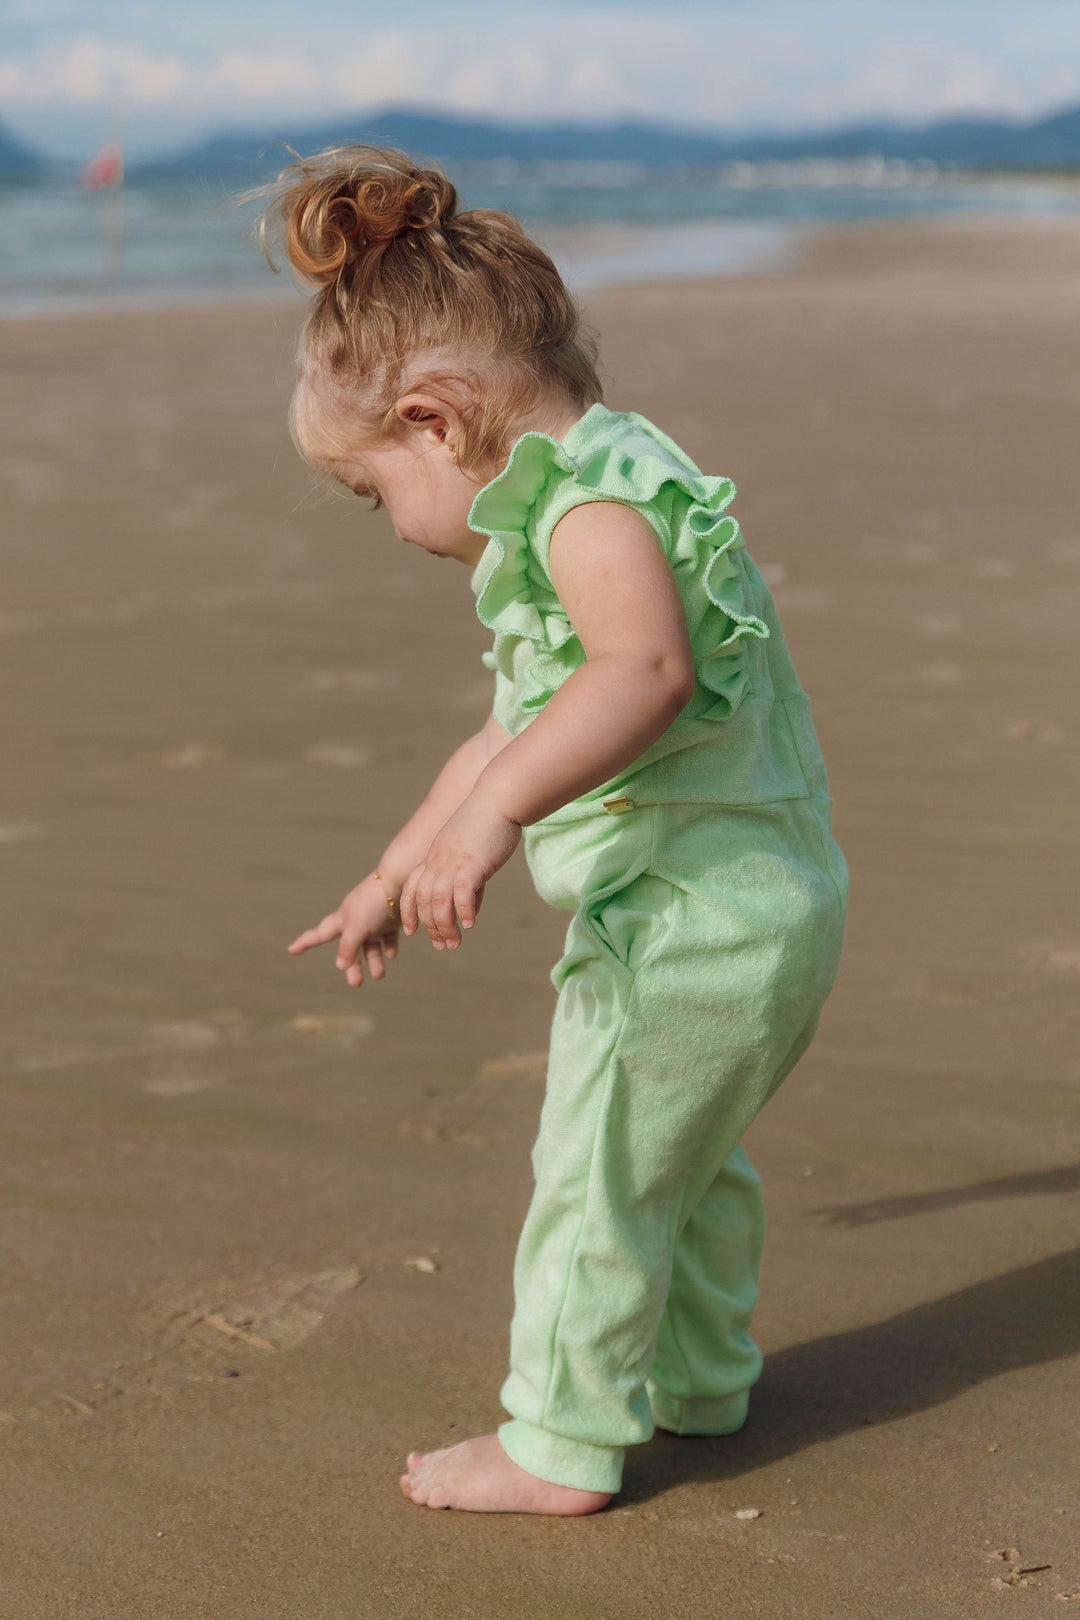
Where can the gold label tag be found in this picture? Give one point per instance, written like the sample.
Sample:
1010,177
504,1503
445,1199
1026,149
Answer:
618,807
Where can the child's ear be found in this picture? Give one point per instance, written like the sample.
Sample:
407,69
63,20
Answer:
434,418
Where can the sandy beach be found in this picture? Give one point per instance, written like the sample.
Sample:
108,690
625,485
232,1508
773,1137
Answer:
258,1228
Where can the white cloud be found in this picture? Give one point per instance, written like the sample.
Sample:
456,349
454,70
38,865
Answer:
474,87
593,82
774,62
974,88
497,82
531,72
89,72
388,67
261,79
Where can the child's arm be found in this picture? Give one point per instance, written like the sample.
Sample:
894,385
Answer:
364,922
620,594
450,788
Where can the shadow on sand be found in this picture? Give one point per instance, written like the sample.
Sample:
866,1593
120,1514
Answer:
1065,1179
918,1359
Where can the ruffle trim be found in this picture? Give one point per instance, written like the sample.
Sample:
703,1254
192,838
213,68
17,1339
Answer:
708,539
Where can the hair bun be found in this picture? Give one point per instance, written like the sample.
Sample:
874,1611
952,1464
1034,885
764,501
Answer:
352,201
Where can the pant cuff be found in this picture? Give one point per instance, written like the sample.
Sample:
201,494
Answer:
722,1415
562,1461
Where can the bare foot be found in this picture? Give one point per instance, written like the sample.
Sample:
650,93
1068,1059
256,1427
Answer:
477,1475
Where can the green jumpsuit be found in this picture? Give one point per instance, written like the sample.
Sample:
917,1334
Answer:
708,898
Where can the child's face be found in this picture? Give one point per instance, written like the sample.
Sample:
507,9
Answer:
427,497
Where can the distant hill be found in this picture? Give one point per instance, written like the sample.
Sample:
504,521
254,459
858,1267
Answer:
15,158
969,143
241,157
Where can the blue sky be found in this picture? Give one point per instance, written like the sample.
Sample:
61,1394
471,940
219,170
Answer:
181,68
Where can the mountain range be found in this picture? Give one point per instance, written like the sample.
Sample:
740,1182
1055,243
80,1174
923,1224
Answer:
1050,143
15,158
968,143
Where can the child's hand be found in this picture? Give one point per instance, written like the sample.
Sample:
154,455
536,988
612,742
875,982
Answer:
367,930
448,885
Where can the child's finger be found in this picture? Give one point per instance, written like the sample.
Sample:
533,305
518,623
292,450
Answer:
407,902
350,944
374,956
432,907
465,901
390,945
422,909
442,913
321,934
425,912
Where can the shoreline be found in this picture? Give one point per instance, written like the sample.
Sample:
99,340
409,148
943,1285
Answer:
597,257
591,257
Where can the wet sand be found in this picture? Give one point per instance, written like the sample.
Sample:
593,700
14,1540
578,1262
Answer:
258,1229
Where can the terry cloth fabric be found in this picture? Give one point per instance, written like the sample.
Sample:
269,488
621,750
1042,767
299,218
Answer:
708,908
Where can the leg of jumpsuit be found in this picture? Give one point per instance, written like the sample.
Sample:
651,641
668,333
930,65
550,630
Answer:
705,1359
675,1018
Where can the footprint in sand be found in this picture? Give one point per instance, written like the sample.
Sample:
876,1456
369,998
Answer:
1043,731
190,757
938,624
527,1067
455,1135
262,1314
339,756
471,1105
348,680
21,832
268,1315
993,568
344,1029
180,1035
187,1035
942,674
1053,960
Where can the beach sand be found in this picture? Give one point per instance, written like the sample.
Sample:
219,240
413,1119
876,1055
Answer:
258,1229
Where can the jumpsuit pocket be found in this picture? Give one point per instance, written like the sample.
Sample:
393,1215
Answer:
621,927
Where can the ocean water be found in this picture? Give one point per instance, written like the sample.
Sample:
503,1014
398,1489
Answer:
163,241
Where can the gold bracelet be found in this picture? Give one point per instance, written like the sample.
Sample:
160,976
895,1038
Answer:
391,903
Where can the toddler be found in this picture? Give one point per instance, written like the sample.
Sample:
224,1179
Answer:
649,739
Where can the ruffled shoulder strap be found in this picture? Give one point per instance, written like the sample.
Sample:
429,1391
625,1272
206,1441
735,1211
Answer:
609,456
502,510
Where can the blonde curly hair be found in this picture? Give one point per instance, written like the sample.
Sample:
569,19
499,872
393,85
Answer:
411,293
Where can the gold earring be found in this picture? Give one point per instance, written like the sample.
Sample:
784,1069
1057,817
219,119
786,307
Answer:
453,450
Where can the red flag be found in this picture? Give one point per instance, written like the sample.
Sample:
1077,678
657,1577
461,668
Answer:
106,168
